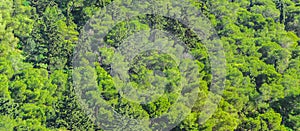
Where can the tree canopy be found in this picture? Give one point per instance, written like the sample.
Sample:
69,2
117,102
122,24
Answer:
39,80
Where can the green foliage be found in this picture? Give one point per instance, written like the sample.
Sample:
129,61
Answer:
68,113
37,91
7,123
53,49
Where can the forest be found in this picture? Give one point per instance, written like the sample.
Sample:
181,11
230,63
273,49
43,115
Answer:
63,65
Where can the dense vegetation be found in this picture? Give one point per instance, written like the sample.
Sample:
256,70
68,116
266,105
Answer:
261,39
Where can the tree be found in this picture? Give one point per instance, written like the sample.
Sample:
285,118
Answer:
67,112
52,40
